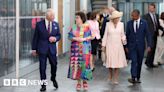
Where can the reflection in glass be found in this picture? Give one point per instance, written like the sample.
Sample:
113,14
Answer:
31,12
28,6
7,36
7,8
7,44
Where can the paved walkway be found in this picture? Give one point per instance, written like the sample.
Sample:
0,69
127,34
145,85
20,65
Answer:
152,80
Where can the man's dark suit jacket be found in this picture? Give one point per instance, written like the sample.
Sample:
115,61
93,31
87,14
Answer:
41,42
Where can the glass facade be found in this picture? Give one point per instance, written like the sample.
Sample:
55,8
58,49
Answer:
7,36
142,6
31,11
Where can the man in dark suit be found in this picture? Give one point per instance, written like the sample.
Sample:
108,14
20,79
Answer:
46,35
136,32
153,25
104,18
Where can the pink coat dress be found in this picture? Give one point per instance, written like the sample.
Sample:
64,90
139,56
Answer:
113,41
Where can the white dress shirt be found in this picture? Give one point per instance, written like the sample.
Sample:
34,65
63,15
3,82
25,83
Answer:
153,17
138,23
46,23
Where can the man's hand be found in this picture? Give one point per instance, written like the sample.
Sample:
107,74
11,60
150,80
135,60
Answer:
80,39
34,53
103,49
52,39
148,49
126,50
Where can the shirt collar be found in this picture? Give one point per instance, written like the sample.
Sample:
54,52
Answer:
46,21
105,15
138,20
151,13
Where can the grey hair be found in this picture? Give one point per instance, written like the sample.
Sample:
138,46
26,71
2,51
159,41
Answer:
50,11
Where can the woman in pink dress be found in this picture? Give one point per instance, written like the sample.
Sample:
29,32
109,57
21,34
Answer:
113,41
158,59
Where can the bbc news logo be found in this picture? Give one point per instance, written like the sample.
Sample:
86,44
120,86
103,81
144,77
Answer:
23,82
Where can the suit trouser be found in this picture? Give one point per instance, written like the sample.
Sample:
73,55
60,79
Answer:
151,54
136,65
43,64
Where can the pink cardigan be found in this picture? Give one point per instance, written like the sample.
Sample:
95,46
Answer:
94,27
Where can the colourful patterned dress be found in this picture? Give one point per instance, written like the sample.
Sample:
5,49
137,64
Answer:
79,66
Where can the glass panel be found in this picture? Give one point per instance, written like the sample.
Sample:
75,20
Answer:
28,7
31,12
121,7
7,8
7,35
161,8
128,7
138,6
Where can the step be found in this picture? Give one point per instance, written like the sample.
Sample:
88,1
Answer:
98,6
99,2
94,6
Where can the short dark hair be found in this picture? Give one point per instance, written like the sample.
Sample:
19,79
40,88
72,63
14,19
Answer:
93,15
162,15
82,16
152,4
89,15
136,11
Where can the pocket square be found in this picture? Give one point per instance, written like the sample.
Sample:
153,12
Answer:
56,27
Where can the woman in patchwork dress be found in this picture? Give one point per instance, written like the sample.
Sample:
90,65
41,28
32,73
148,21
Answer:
79,65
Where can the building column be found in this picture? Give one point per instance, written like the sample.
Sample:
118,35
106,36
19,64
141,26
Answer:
83,5
60,20
109,3
17,39
73,9
57,5
54,5
77,5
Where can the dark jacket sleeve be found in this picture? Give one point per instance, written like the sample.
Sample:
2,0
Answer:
58,35
159,26
127,34
35,38
148,36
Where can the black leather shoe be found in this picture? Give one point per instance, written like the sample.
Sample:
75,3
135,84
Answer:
149,66
159,63
130,80
138,81
93,69
55,84
43,88
154,66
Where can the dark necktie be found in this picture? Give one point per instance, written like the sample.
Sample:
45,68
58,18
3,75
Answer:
48,27
136,26
155,22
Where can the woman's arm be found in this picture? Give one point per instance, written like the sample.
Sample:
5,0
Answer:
104,40
123,36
